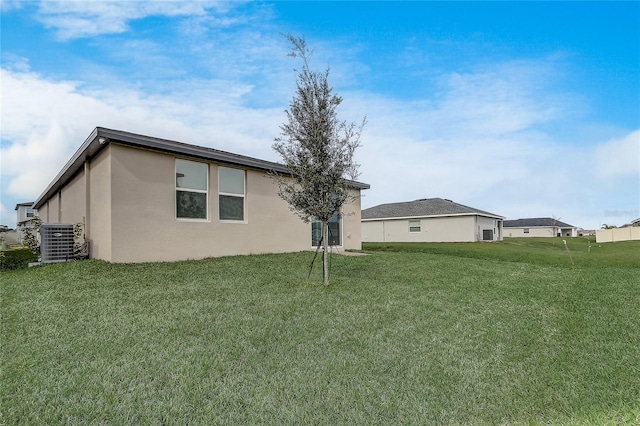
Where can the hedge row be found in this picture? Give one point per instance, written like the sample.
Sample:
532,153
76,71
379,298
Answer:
16,259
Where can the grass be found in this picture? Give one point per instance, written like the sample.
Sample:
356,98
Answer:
406,337
543,251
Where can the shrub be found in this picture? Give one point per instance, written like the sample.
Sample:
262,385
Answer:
30,234
16,258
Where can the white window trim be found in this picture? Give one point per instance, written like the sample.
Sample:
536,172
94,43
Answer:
228,194
200,191
419,226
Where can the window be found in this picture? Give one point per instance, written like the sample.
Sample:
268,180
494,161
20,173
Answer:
414,226
30,212
334,232
191,189
231,193
526,230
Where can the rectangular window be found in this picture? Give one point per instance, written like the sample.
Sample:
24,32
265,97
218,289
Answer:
526,230
334,232
414,226
191,189
31,213
231,193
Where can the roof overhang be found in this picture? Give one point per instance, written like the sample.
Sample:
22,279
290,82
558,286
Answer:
101,137
23,205
432,216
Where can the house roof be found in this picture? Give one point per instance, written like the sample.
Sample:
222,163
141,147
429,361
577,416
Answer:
423,208
101,137
23,204
535,221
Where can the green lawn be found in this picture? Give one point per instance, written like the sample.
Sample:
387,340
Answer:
584,251
402,336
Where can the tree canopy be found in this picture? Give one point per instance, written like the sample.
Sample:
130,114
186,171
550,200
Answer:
316,147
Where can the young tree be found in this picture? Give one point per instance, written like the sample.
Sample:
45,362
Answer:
317,149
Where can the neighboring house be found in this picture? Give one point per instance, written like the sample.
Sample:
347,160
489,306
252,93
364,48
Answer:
24,213
539,227
142,199
429,220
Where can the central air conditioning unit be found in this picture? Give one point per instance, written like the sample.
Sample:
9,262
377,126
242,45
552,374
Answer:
56,242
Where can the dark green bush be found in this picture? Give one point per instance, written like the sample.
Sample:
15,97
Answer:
16,259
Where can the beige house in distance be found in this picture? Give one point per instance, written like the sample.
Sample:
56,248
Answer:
429,220
145,199
539,227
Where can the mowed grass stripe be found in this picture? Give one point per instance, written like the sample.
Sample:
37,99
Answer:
409,338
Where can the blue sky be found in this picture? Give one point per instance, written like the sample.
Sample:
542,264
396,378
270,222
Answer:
522,109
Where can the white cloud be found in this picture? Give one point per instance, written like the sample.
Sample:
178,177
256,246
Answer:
619,157
7,5
74,19
484,142
40,136
481,142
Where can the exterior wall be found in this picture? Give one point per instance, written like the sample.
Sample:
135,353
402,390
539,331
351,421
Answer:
537,231
436,229
144,225
373,231
70,205
53,209
351,220
484,223
618,234
21,214
98,222
43,212
73,205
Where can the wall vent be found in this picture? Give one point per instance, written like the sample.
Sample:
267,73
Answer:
56,242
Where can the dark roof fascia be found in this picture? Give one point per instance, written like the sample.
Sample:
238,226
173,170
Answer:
100,137
174,147
195,151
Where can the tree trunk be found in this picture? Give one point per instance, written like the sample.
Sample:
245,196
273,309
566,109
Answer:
325,247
